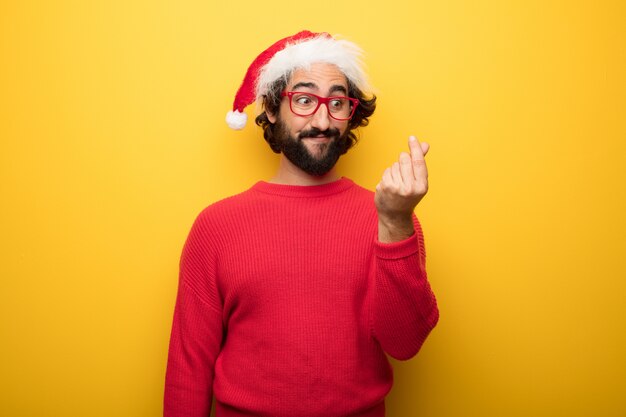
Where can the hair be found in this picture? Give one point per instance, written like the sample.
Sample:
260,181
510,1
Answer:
271,103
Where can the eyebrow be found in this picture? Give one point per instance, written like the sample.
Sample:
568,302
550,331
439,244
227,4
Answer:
333,89
337,87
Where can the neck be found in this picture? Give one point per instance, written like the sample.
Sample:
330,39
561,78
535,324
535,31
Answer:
289,174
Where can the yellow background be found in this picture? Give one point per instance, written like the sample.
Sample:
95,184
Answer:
113,139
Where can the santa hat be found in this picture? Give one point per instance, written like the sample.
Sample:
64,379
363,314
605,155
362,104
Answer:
294,52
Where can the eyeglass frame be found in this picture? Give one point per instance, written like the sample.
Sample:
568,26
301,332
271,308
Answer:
321,100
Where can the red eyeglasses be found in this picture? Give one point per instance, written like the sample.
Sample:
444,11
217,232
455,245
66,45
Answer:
306,104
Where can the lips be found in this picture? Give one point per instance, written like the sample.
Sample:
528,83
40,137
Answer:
317,139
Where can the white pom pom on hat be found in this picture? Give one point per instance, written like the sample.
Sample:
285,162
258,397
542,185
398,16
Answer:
296,51
236,120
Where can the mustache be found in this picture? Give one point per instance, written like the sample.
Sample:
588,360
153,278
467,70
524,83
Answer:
313,132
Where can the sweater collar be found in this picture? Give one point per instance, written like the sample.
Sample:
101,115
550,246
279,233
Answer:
304,191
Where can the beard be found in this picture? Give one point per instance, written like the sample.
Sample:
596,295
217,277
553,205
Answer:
298,154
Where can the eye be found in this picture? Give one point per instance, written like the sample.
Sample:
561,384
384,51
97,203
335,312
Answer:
303,100
337,103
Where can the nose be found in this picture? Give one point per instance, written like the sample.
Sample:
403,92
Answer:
321,118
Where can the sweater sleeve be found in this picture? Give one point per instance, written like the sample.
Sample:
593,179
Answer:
197,331
404,309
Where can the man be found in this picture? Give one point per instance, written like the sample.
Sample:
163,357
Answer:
292,293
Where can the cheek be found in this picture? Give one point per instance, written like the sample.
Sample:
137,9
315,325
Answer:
295,123
342,126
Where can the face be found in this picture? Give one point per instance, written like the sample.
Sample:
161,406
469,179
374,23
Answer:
312,143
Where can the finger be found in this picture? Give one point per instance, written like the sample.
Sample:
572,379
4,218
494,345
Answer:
406,169
425,147
396,176
417,157
387,176
417,153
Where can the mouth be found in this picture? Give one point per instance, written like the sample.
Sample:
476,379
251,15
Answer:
317,139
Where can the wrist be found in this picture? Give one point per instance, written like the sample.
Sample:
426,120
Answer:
395,228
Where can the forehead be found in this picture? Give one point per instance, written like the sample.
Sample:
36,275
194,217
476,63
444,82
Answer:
322,75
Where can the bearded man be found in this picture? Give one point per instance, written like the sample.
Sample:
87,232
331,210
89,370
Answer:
292,293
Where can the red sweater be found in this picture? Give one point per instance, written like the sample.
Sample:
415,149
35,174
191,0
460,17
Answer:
287,304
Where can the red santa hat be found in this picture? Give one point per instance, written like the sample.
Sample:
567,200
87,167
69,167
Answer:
294,52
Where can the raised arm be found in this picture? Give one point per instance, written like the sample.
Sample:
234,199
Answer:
404,309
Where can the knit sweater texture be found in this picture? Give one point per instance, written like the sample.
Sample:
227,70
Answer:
288,304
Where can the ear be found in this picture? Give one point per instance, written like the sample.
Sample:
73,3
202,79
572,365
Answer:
270,116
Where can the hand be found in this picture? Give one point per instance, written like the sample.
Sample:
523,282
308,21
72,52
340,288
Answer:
402,187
